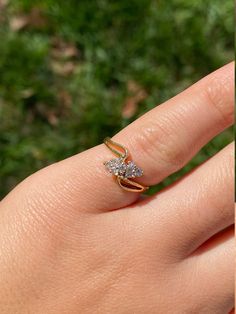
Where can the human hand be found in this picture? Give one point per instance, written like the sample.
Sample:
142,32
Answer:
72,241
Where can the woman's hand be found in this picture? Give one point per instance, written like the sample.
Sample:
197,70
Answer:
72,241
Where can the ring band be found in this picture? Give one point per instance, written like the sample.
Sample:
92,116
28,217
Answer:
122,169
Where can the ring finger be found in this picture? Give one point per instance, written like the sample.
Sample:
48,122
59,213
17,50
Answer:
161,142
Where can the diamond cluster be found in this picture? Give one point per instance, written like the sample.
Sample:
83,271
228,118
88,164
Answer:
120,168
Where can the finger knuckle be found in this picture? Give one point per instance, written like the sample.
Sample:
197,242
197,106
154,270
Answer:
159,142
220,95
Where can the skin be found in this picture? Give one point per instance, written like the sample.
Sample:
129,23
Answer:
72,241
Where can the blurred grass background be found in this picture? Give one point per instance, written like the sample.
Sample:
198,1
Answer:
73,72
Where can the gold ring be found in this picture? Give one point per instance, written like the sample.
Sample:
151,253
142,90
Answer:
122,169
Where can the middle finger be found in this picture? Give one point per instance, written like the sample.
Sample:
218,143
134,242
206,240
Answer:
197,207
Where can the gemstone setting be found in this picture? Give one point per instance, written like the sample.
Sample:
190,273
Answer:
133,171
120,168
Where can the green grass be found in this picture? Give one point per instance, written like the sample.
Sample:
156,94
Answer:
67,66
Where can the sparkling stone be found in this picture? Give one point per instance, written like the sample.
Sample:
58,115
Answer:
119,167
132,171
116,166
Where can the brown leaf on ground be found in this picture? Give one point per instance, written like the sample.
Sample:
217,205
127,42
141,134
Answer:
50,114
137,95
63,57
16,23
34,19
63,50
27,93
63,68
3,4
37,18
52,118
65,99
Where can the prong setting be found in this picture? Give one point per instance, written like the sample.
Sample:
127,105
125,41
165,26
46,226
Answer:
126,170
